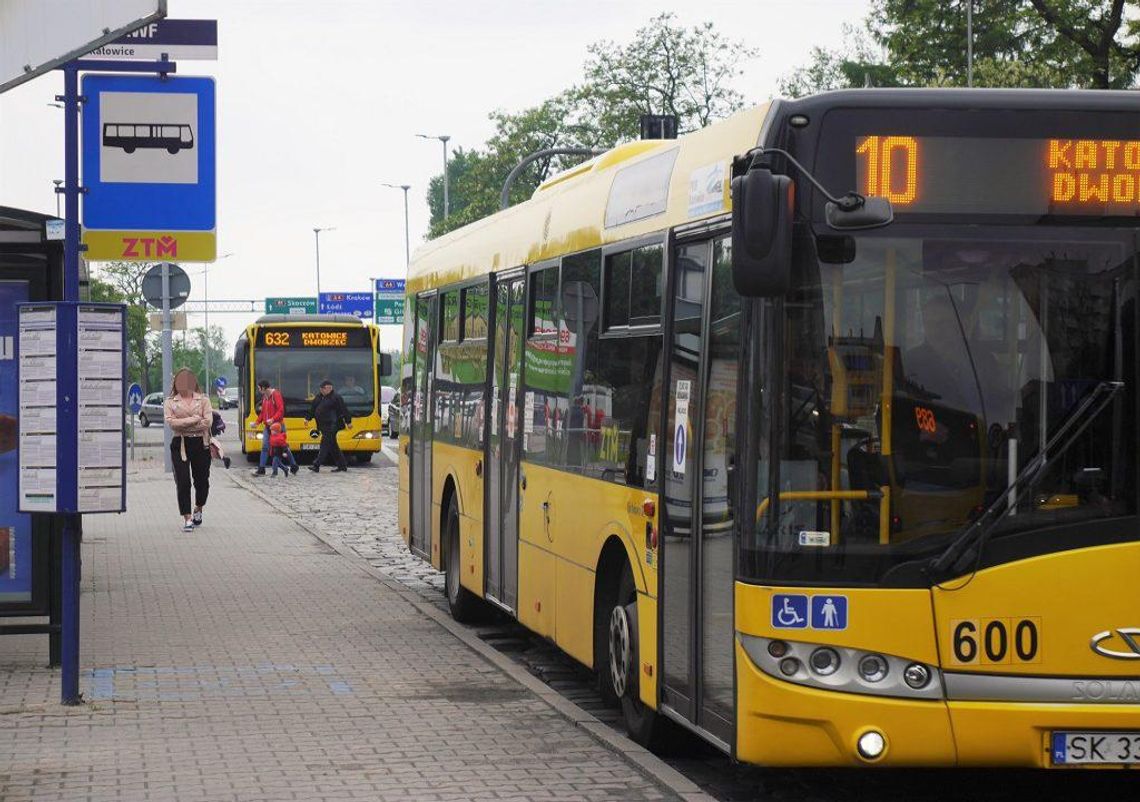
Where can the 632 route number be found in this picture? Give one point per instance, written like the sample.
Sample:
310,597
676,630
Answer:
995,641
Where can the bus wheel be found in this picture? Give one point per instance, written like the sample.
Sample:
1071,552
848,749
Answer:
462,603
644,725
363,458
172,151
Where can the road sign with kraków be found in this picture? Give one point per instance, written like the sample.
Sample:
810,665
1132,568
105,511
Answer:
358,304
149,168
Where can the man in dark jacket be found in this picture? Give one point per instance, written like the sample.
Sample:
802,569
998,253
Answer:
331,415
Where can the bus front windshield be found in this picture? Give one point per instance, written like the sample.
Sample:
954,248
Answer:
923,377
298,373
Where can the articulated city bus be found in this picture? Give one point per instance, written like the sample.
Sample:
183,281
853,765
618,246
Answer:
812,432
296,353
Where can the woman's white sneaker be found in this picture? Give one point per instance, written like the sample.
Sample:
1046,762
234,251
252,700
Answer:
187,526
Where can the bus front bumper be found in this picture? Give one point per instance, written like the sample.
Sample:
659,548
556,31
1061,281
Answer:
786,724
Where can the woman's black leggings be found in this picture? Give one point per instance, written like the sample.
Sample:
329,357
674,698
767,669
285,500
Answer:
196,466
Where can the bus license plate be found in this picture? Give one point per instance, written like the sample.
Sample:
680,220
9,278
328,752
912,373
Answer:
1081,748
310,446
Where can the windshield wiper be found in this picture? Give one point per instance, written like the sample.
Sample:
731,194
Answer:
968,545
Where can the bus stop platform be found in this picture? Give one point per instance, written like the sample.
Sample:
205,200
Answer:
250,661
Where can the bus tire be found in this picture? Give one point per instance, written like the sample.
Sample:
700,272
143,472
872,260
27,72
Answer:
363,458
464,606
644,725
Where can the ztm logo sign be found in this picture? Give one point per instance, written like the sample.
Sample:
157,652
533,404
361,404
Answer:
150,247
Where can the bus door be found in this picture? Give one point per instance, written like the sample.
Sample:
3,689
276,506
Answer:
421,429
697,553
503,450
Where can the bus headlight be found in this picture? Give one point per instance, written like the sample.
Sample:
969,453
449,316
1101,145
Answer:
367,434
259,436
838,668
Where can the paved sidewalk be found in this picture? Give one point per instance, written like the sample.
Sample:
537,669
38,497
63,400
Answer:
248,661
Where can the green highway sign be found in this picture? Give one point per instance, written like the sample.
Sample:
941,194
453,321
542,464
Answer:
389,311
290,306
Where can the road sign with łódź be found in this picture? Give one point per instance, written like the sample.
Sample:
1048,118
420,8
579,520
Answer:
149,168
290,306
358,304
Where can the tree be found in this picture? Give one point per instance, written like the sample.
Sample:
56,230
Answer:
477,176
1017,43
122,282
665,69
859,63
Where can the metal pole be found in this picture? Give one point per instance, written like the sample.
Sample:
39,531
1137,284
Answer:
407,237
970,43
167,360
206,342
317,236
69,568
446,203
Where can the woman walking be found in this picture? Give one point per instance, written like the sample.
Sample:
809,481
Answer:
190,417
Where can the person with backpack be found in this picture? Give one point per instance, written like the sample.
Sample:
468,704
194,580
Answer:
331,414
272,411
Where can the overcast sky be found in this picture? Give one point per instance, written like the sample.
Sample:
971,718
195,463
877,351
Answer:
319,102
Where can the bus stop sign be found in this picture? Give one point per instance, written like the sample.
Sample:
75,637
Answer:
148,168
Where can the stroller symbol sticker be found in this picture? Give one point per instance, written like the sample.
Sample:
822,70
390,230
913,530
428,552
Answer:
789,611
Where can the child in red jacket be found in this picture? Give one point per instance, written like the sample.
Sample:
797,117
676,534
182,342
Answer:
279,449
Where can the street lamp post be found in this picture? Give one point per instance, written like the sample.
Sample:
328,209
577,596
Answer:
407,241
442,138
317,236
206,312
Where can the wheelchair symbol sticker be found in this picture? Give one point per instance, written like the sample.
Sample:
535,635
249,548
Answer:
789,611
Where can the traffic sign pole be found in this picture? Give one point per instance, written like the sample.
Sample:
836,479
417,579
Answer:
167,360
71,534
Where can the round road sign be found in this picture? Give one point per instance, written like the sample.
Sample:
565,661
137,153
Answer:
134,399
179,286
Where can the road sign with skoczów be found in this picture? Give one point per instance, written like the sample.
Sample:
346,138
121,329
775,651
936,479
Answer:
290,306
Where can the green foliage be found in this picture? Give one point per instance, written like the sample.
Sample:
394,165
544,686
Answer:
1017,43
665,69
121,282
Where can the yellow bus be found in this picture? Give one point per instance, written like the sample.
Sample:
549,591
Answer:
812,432
296,353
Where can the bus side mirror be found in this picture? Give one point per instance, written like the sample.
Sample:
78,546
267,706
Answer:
870,213
762,206
385,364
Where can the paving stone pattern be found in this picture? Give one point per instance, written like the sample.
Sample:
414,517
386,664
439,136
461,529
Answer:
249,661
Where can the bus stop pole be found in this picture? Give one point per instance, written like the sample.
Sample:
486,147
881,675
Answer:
167,359
69,556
